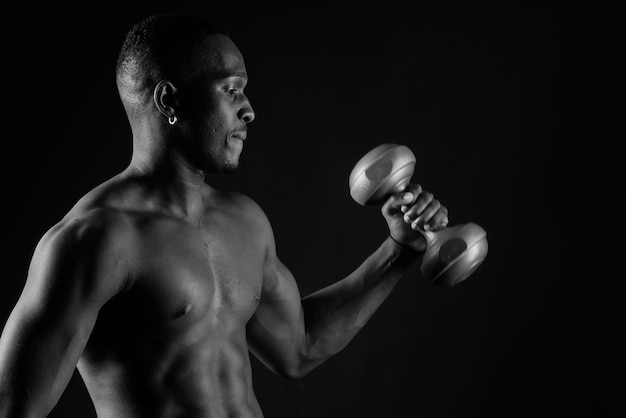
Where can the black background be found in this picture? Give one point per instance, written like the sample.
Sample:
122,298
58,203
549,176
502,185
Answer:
511,112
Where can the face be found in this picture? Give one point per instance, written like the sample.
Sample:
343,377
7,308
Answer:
218,111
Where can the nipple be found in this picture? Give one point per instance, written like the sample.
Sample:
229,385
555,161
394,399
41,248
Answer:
182,310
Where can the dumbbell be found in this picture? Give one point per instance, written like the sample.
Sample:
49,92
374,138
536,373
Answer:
452,253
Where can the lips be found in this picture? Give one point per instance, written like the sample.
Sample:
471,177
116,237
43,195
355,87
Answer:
240,135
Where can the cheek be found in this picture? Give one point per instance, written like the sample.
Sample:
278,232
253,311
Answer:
211,119
219,123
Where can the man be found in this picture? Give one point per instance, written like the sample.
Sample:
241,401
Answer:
155,285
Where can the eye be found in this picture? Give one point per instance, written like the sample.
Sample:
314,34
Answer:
231,91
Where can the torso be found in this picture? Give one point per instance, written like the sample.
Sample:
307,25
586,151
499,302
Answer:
173,343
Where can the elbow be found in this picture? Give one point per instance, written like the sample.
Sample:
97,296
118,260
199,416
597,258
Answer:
298,369
302,363
289,370
293,373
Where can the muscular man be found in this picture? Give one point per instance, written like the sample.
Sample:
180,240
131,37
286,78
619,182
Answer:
155,285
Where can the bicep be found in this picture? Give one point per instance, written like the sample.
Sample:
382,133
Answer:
52,320
280,302
65,286
38,356
39,349
276,331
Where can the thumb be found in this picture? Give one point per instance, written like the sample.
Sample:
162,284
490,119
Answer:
395,202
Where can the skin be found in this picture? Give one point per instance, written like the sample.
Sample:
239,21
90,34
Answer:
157,286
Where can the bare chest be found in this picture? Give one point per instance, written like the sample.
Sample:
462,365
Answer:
182,276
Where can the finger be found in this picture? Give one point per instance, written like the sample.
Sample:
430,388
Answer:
424,218
415,190
397,201
420,204
438,221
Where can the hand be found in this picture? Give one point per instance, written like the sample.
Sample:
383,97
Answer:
411,210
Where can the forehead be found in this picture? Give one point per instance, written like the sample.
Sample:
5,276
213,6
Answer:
223,57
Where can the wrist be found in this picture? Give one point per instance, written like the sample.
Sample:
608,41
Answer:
405,247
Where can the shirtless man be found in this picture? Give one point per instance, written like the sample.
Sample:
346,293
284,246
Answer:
155,285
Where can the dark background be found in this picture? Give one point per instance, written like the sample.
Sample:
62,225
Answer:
511,111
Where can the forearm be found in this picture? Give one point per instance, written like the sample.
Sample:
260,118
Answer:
335,314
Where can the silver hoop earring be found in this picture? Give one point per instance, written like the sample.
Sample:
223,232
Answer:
172,120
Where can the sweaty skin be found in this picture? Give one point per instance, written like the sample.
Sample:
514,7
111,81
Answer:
157,286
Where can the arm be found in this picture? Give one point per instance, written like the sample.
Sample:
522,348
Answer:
52,320
292,336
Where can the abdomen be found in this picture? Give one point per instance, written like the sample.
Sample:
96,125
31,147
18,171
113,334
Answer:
201,376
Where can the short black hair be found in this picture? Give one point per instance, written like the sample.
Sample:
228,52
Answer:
160,46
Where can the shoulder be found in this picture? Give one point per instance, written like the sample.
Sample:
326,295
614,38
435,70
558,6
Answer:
245,208
84,249
84,228
248,213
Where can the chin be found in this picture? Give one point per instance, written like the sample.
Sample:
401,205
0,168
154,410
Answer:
231,169
224,167
226,163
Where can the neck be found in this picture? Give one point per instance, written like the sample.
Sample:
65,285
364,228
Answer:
174,185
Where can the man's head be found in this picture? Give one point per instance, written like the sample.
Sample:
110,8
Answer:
185,69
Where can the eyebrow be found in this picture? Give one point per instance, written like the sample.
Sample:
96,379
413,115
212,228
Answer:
239,74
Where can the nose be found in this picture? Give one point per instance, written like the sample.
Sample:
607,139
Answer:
246,113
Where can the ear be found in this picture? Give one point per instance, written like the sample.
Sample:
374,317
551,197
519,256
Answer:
165,98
